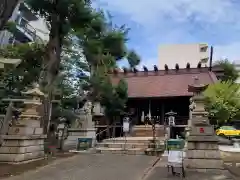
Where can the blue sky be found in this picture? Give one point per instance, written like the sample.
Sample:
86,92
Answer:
156,22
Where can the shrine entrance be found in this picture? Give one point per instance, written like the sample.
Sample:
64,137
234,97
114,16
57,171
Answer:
140,108
157,108
145,110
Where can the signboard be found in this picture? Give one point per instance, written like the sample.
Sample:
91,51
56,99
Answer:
175,144
171,120
126,126
175,157
201,130
60,133
84,143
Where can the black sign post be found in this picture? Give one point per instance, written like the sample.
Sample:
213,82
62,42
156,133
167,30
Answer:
171,123
126,129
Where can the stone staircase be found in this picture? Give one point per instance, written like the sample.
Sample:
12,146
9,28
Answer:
130,145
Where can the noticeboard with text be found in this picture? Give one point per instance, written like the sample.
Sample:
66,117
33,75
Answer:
175,144
84,144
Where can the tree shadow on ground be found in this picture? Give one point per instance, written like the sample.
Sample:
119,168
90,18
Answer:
16,169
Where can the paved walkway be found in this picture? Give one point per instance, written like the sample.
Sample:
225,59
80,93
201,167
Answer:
110,167
159,172
92,167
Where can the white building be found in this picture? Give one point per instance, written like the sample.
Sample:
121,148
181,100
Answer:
183,54
30,27
238,68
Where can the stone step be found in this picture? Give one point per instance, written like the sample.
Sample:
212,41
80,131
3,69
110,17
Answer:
122,145
129,151
124,141
133,140
154,152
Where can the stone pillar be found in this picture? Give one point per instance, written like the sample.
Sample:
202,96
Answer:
25,139
202,152
192,106
171,123
87,129
89,126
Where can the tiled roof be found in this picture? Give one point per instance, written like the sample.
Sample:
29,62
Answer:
162,84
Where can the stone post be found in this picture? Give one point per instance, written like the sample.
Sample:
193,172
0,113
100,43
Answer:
171,123
85,130
192,106
89,126
25,139
202,152
62,133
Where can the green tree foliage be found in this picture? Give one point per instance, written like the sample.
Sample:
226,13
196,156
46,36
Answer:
100,42
10,26
133,59
230,71
222,101
114,98
103,45
27,71
63,17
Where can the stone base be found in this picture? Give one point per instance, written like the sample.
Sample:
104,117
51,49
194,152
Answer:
18,149
146,131
203,154
18,130
74,134
203,164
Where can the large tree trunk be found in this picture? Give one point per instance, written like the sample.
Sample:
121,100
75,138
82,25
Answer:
6,9
53,58
52,61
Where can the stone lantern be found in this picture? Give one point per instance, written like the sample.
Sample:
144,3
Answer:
202,144
32,105
198,111
26,134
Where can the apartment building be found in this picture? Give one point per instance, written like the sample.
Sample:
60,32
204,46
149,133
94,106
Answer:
238,69
183,54
30,28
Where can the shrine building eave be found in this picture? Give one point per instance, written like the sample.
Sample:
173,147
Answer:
163,84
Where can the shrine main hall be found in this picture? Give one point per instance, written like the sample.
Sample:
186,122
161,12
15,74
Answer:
158,92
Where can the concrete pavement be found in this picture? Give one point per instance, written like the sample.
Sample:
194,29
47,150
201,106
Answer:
111,167
159,172
93,167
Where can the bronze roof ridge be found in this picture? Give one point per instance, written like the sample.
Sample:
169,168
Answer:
132,75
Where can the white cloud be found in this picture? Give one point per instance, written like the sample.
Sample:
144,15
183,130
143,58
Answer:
156,17
153,11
